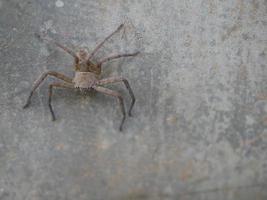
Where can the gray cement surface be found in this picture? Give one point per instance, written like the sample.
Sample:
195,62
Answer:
199,126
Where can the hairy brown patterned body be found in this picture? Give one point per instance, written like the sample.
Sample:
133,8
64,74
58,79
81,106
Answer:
84,80
86,76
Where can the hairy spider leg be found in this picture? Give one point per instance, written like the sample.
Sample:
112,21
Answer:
114,94
115,57
101,43
64,48
41,79
127,85
59,85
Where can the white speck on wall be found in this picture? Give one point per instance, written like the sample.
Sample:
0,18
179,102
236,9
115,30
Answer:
59,3
48,24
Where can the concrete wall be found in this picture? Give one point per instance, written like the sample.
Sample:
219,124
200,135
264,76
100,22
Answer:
199,126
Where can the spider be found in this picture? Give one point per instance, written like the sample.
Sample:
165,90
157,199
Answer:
86,76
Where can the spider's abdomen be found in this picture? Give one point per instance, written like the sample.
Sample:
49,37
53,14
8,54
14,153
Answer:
84,80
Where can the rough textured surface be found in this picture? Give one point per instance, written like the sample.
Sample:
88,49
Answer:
199,129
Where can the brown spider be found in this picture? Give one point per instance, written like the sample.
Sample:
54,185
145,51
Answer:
86,76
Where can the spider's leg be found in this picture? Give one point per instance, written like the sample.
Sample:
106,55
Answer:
116,56
41,79
114,94
59,85
66,49
101,44
127,85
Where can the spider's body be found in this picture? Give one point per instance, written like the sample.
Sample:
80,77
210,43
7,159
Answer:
85,80
86,76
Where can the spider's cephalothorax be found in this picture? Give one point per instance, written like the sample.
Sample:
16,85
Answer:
86,76
84,64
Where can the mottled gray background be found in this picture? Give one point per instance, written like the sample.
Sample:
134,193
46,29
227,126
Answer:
199,129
